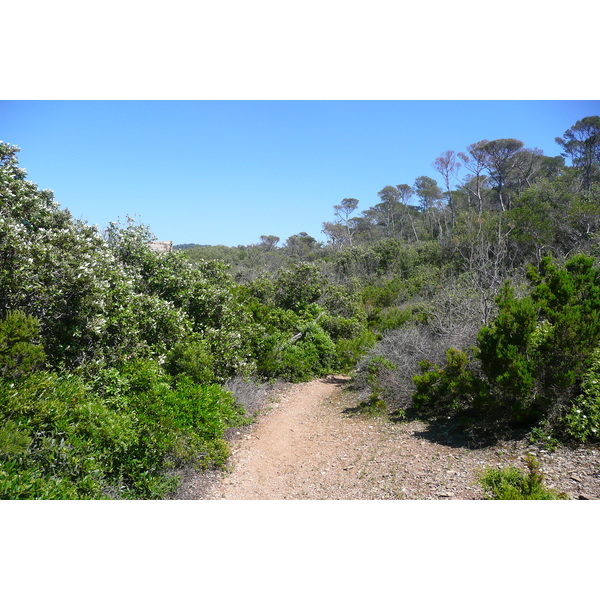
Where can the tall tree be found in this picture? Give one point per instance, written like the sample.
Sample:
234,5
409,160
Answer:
500,163
390,202
581,143
405,193
300,245
475,163
336,234
447,166
342,211
527,168
429,194
341,231
269,242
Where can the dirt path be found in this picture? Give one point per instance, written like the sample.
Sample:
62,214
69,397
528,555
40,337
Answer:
309,447
304,449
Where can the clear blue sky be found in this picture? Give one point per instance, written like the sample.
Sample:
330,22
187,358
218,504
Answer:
227,172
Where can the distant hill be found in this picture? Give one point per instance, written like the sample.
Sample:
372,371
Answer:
188,246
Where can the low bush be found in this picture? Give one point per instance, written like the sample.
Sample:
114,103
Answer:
513,484
406,348
310,353
116,437
378,400
350,351
249,393
535,364
449,390
582,421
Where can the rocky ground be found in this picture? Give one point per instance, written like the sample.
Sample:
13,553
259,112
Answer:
309,444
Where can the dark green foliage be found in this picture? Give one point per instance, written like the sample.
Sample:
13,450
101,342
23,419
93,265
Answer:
447,391
13,441
191,358
310,353
74,440
350,351
20,350
533,360
297,288
581,143
304,327
504,352
569,301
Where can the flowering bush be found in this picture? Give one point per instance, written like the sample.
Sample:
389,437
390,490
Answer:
136,345
582,422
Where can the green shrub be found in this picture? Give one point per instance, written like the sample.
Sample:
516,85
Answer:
535,356
505,352
542,435
349,351
377,402
513,484
117,437
582,421
13,441
191,358
444,391
293,362
308,353
31,483
74,444
298,287
391,318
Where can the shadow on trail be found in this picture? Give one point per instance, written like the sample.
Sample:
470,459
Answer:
446,433
460,431
335,379
451,433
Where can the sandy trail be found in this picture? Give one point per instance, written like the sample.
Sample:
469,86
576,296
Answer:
303,449
308,447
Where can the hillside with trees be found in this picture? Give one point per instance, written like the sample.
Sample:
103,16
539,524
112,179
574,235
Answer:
478,288
475,299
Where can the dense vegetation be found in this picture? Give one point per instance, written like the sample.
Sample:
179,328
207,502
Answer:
479,304
482,294
115,360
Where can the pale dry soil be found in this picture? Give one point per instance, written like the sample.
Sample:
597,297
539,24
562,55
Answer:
307,445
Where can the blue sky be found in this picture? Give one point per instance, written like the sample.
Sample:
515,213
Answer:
227,172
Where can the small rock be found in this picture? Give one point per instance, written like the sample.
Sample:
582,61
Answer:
585,497
575,478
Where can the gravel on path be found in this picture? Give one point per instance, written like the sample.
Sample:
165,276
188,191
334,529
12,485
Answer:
310,445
